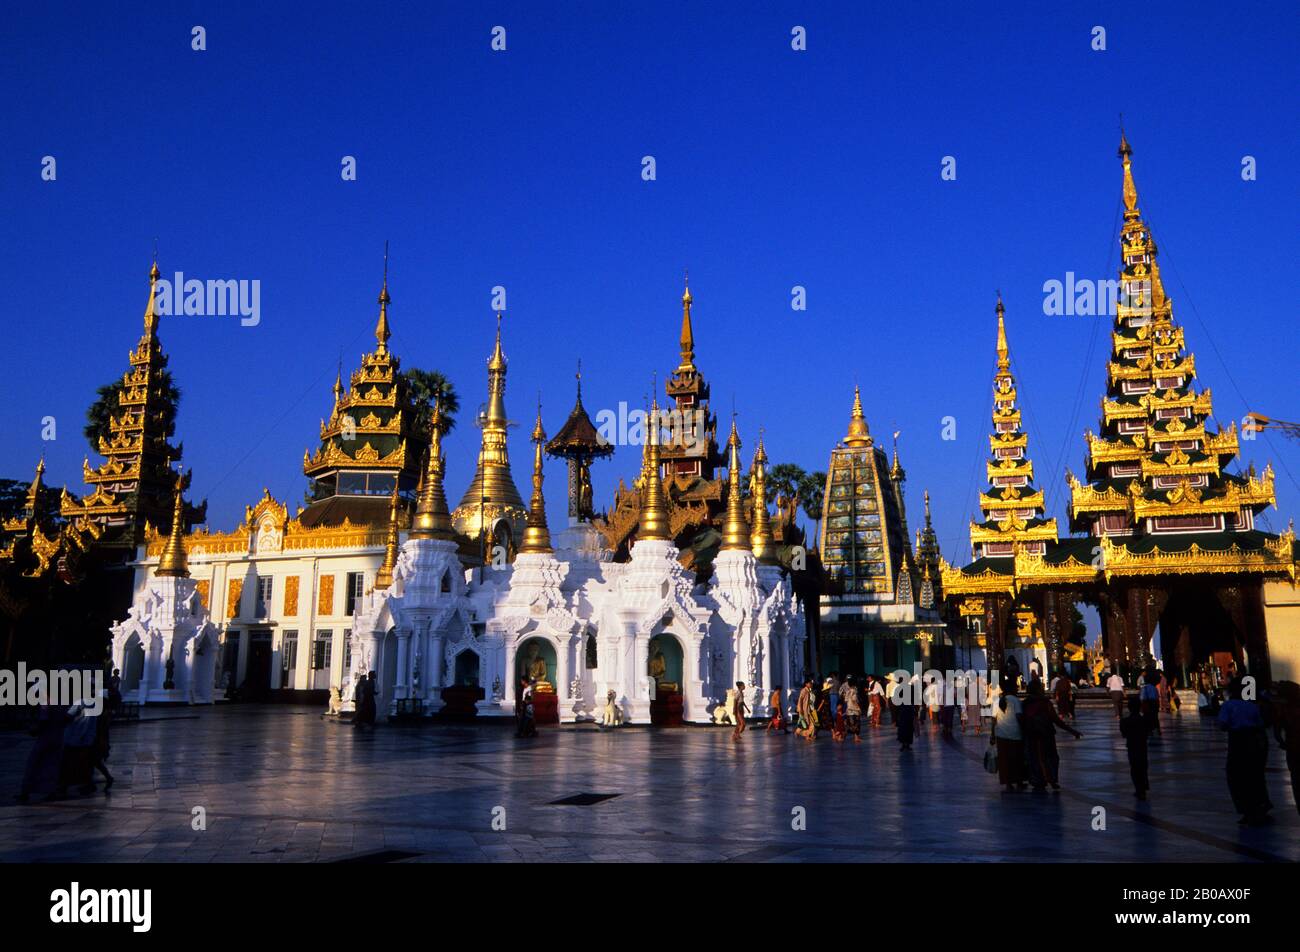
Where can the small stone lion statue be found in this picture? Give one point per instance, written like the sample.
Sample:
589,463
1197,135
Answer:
612,716
722,713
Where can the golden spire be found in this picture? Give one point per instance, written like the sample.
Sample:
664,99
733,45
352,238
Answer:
172,564
492,493
735,531
1130,189
858,434
432,521
34,491
384,577
761,536
896,470
654,508
497,362
1004,353
688,335
381,328
537,538
151,309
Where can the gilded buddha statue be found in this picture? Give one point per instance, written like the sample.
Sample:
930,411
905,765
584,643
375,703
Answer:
535,666
657,668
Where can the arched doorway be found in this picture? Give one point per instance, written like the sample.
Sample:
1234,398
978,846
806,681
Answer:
664,666
467,669
535,660
461,697
132,665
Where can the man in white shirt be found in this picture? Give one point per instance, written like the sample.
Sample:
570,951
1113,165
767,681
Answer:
1115,685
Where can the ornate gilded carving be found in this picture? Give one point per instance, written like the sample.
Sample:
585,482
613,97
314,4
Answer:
234,591
291,596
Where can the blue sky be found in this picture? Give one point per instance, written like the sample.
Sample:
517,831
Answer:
775,168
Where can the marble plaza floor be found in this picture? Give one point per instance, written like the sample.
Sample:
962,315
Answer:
281,784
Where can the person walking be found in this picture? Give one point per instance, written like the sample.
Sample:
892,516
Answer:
1150,696
1135,729
806,711
852,710
528,722
78,750
738,711
1038,724
1247,756
906,712
367,701
825,716
1063,692
972,688
777,721
1286,730
45,760
1115,685
1009,740
876,699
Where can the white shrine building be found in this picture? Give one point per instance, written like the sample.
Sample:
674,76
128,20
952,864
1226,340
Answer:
642,629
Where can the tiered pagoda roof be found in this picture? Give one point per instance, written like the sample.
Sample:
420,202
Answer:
35,543
1012,508
133,486
694,494
929,558
1156,498
579,443
1156,469
370,443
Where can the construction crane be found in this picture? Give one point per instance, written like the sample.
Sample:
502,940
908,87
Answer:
1255,422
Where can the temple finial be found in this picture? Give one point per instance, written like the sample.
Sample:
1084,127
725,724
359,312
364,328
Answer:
381,328
172,562
735,529
497,362
653,523
384,577
1004,353
432,520
859,434
151,309
760,537
1130,188
537,537
688,333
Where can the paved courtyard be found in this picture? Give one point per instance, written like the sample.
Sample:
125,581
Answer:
281,784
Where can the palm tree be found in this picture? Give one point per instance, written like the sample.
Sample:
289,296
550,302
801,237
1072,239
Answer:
811,488
784,479
425,386
106,405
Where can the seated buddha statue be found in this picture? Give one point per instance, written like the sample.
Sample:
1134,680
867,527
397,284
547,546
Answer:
658,669
536,668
